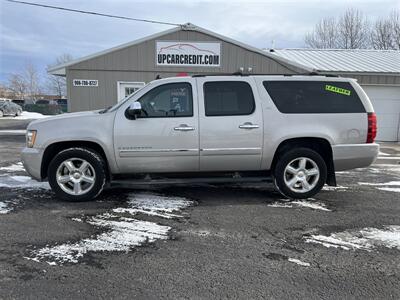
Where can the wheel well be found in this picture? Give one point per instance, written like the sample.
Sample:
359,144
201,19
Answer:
55,148
320,145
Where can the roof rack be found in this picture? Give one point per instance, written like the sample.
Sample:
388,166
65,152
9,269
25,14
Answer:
255,74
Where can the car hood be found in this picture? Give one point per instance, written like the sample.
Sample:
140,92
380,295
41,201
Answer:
63,117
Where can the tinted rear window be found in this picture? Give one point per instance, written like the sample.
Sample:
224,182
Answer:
228,98
300,97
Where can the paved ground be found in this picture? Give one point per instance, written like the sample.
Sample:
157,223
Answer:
231,242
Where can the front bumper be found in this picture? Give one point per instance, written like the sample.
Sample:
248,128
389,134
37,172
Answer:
32,161
346,157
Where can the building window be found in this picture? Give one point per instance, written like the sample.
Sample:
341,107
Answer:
126,88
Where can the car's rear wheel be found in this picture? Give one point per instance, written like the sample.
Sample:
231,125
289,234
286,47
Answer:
300,173
77,174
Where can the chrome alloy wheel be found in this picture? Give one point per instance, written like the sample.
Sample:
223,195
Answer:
75,176
301,175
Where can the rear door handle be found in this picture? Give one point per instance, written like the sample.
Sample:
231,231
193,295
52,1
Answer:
183,127
248,125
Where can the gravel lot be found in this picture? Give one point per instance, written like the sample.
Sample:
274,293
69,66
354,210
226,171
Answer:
201,241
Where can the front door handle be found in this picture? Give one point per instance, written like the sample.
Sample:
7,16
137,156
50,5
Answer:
248,125
183,127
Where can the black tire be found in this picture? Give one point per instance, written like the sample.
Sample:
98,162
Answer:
98,167
285,159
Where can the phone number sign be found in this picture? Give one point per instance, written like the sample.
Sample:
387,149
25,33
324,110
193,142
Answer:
85,82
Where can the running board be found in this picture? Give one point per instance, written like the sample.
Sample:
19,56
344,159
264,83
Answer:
183,181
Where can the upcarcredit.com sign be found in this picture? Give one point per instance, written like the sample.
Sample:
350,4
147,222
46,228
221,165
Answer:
188,54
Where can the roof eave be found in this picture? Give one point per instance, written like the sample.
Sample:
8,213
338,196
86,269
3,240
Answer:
359,73
61,69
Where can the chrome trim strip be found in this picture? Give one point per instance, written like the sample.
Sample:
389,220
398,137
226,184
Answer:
231,151
157,152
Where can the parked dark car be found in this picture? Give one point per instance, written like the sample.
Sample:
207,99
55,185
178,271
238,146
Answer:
63,103
20,102
8,108
45,107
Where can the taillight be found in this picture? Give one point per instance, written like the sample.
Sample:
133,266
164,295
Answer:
371,128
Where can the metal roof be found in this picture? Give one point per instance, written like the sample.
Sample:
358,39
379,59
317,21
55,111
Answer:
343,60
60,69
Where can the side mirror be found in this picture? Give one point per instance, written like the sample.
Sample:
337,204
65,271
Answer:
134,110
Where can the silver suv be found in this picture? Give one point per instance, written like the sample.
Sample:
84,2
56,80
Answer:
295,130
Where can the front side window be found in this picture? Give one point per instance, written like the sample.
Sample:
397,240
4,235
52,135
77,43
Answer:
301,97
168,100
228,98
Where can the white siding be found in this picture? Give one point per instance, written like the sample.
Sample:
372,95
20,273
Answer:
386,102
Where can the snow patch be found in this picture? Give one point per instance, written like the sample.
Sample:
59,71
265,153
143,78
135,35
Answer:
282,205
5,208
389,157
18,167
154,205
309,203
387,186
313,205
299,262
122,233
383,153
26,115
26,182
390,183
365,239
395,190
334,188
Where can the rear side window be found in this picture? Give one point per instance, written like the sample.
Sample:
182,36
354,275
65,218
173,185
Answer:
302,97
228,98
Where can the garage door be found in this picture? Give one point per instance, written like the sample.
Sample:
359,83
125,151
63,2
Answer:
386,102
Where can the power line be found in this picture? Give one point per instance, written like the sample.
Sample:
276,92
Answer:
93,13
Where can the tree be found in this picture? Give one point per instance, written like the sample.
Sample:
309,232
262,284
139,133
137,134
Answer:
57,84
353,30
385,33
324,34
382,35
395,24
26,83
18,86
349,31
32,81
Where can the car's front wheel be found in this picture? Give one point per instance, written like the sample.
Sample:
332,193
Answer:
1,114
19,112
77,174
300,173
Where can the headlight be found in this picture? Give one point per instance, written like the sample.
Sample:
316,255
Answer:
30,138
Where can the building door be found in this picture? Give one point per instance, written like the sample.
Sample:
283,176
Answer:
386,103
231,125
165,138
126,88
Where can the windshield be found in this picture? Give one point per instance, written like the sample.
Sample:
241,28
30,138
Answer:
118,104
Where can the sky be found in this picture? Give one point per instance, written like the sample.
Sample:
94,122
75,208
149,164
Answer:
39,35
